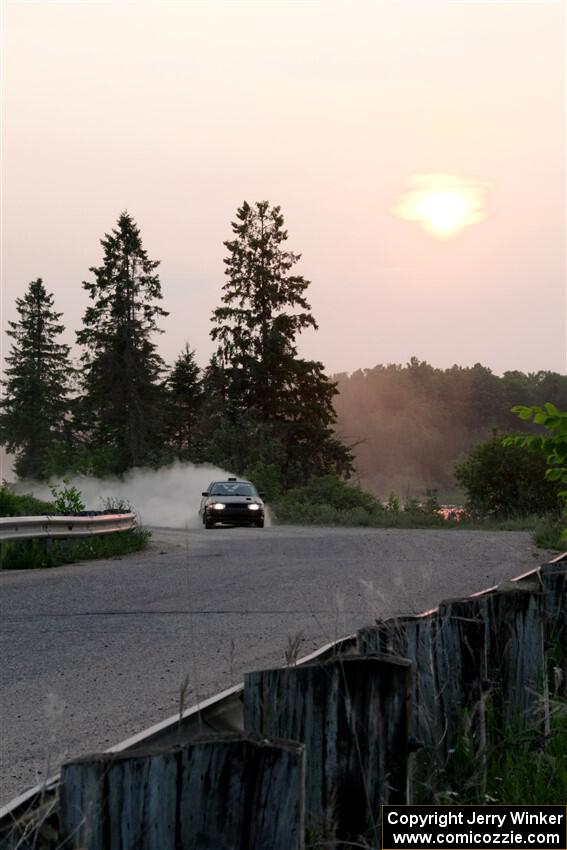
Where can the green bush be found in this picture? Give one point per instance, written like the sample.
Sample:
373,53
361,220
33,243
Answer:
14,504
507,480
333,493
29,554
67,499
266,478
330,501
327,501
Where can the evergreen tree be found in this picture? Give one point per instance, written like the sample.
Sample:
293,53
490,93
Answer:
123,392
289,400
35,405
185,392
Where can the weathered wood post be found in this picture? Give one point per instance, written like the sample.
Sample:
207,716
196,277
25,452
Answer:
446,650
222,793
410,637
352,715
471,651
554,585
514,657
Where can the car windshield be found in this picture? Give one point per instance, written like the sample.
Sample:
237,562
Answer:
232,489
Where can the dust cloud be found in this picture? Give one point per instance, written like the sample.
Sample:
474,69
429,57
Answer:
169,496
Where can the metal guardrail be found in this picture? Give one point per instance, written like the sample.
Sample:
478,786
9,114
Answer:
58,527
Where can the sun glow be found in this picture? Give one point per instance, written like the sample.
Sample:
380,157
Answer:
442,204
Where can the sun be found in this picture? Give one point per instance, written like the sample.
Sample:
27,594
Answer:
442,204
443,212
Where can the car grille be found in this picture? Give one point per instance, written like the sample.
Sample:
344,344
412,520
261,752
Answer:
238,510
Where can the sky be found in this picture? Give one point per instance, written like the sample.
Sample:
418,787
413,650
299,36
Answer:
180,111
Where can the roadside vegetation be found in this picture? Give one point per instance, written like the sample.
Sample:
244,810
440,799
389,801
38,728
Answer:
18,504
29,554
511,482
330,501
526,766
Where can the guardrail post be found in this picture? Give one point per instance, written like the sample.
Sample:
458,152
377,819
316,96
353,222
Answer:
219,793
352,716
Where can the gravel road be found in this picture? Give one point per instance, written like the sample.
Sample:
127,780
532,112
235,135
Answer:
94,652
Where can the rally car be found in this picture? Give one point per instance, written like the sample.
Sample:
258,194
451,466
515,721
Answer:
232,502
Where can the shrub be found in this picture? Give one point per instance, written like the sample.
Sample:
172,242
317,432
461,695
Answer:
331,492
29,554
115,505
328,500
266,478
14,504
507,480
393,504
67,499
553,445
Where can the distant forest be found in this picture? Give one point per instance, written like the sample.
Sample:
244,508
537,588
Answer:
410,424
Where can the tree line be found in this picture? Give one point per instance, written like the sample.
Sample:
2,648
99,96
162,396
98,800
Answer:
256,408
411,424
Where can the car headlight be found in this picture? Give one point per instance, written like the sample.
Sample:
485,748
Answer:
218,506
253,507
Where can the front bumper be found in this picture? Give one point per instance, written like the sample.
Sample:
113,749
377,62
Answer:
235,514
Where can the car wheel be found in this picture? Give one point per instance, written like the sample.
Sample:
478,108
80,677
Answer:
260,524
209,523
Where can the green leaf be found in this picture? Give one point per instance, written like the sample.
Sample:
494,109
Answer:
523,412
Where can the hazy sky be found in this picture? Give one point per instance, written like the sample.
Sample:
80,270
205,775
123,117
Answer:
178,112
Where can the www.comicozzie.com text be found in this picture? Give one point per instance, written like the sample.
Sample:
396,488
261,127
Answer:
478,827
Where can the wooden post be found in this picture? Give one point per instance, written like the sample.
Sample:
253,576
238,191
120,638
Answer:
352,715
222,793
497,638
412,638
471,651
446,650
514,650
554,586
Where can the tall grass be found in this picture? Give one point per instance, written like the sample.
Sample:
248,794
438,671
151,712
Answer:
525,767
550,533
30,554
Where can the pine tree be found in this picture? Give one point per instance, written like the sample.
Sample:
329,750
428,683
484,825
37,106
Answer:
123,393
35,405
264,309
184,400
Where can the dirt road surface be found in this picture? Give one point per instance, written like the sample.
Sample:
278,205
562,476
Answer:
95,652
